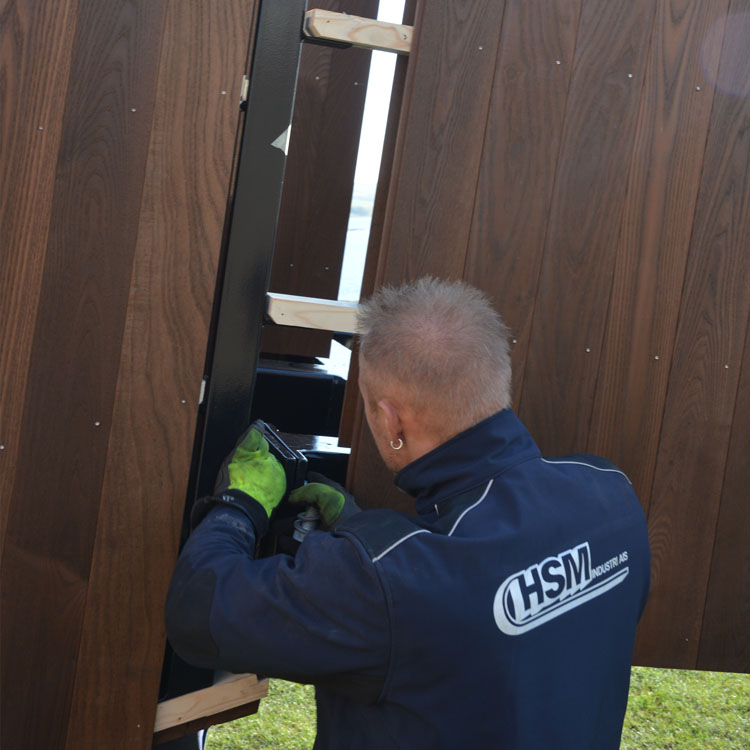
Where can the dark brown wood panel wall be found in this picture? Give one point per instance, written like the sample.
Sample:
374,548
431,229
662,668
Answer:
32,93
318,181
160,370
122,120
609,222
703,381
655,238
74,361
519,161
724,643
573,293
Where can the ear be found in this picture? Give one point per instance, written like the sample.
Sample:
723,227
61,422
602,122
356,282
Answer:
391,414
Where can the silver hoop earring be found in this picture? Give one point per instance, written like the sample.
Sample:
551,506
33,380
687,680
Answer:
398,445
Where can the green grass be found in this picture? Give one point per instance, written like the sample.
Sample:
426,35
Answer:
667,710
670,708
285,721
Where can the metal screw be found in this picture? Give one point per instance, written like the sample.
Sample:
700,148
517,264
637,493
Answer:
726,367
317,78
515,341
587,350
656,357
183,401
630,75
97,424
2,447
223,92
697,88
557,62
356,84
132,109
480,47
41,128
291,265
326,268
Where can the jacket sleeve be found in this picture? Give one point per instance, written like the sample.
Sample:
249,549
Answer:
319,617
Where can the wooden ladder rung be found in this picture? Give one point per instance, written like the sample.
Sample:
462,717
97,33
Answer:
367,33
310,312
235,690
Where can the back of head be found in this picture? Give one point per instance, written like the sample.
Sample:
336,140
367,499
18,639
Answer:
443,345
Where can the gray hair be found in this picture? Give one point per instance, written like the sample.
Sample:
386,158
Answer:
445,344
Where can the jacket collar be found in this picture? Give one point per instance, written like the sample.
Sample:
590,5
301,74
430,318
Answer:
469,459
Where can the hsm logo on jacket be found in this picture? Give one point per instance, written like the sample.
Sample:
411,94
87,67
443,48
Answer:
557,584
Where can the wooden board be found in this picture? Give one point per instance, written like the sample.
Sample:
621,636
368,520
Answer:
367,33
724,644
189,165
115,203
439,150
556,395
309,312
654,240
74,360
703,380
519,164
32,92
233,691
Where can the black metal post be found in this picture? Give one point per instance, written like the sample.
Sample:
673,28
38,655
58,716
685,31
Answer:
250,236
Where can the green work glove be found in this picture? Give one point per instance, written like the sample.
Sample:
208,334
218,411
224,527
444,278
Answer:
251,469
333,501
251,480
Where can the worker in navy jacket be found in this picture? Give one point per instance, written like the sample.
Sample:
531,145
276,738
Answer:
501,615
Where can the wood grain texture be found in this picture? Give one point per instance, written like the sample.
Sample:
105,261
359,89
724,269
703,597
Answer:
448,88
309,312
73,364
556,395
160,368
705,372
32,92
519,162
724,641
357,31
655,237
192,727
318,180
224,695
436,163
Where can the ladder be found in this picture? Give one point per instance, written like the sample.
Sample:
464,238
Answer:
242,301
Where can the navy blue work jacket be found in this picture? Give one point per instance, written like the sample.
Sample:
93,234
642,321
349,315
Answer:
502,616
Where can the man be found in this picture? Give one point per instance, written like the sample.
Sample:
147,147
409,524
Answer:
501,616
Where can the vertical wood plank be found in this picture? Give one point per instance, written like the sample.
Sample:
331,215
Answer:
35,57
73,365
434,175
705,371
318,179
520,157
557,393
725,642
655,237
160,369
448,88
